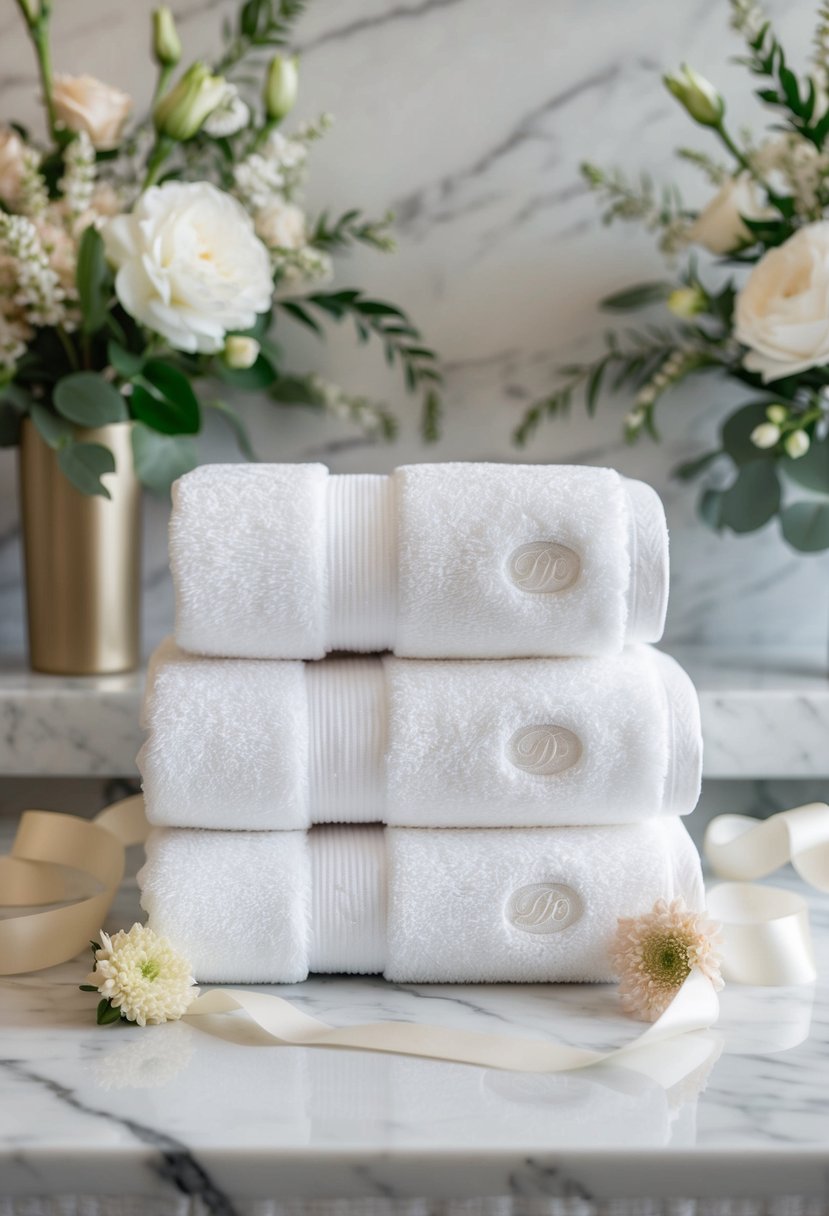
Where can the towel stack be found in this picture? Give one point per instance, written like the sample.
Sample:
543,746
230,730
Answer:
481,803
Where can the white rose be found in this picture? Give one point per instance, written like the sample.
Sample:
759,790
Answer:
12,164
189,265
782,313
719,227
281,226
83,103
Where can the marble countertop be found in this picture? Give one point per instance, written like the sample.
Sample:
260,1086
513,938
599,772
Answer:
171,1109
763,715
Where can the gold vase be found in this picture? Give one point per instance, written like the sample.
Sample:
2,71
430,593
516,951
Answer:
82,557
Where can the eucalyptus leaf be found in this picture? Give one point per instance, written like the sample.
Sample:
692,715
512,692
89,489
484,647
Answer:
806,526
84,464
163,399
710,508
640,296
125,362
87,399
736,432
160,459
752,499
237,426
812,470
53,430
689,469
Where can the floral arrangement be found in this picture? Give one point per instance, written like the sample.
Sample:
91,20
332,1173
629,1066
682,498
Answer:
136,262
764,323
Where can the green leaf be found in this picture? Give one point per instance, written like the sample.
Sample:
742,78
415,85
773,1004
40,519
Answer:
295,310
125,362
690,469
10,420
710,508
752,499
640,296
53,430
812,470
84,464
93,280
163,398
430,422
260,375
736,432
806,526
87,988
237,426
160,459
87,399
107,1013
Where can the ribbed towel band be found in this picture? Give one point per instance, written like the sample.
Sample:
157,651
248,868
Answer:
347,727
348,900
649,566
362,562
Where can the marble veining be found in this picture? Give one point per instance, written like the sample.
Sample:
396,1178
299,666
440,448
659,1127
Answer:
172,1110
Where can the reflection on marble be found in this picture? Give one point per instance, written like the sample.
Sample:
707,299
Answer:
172,1109
470,118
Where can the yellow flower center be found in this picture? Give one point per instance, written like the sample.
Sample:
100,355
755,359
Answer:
665,959
150,969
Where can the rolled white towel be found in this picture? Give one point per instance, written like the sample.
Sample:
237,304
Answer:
434,561
253,744
450,906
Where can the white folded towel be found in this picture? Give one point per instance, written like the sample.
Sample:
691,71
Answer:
435,561
254,744
450,906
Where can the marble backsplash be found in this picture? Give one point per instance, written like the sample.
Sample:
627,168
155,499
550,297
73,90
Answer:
469,118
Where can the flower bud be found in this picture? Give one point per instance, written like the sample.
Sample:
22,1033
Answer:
181,112
797,444
697,95
166,42
31,10
240,352
766,435
778,414
281,86
686,302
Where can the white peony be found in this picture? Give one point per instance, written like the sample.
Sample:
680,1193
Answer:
281,226
782,313
83,103
719,227
189,265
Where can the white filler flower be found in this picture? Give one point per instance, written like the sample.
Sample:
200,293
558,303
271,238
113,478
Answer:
189,265
782,313
142,975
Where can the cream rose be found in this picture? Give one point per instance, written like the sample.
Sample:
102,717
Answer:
719,226
782,313
83,103
189,265
12,164
281,226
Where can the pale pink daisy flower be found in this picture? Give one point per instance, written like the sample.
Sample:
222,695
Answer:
655,953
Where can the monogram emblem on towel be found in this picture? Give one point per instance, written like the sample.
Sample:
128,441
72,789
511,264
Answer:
543,566
543,907
544,750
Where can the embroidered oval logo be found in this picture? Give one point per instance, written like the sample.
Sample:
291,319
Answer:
544,750
543,907
543,566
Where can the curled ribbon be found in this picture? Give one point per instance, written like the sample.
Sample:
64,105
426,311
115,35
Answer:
766,934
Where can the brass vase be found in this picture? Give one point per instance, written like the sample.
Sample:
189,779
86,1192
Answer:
82,558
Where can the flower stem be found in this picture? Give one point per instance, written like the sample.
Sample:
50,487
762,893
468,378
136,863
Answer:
161,150
37,23
742,160
164,74
66,343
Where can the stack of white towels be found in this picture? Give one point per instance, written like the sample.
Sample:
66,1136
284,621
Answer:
482,790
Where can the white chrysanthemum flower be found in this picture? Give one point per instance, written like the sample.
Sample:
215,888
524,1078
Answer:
142,975
230,115
654,954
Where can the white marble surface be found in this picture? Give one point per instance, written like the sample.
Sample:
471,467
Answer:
761,719
470,118
173,1110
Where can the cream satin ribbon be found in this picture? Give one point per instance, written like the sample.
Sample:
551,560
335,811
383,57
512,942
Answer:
766,932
